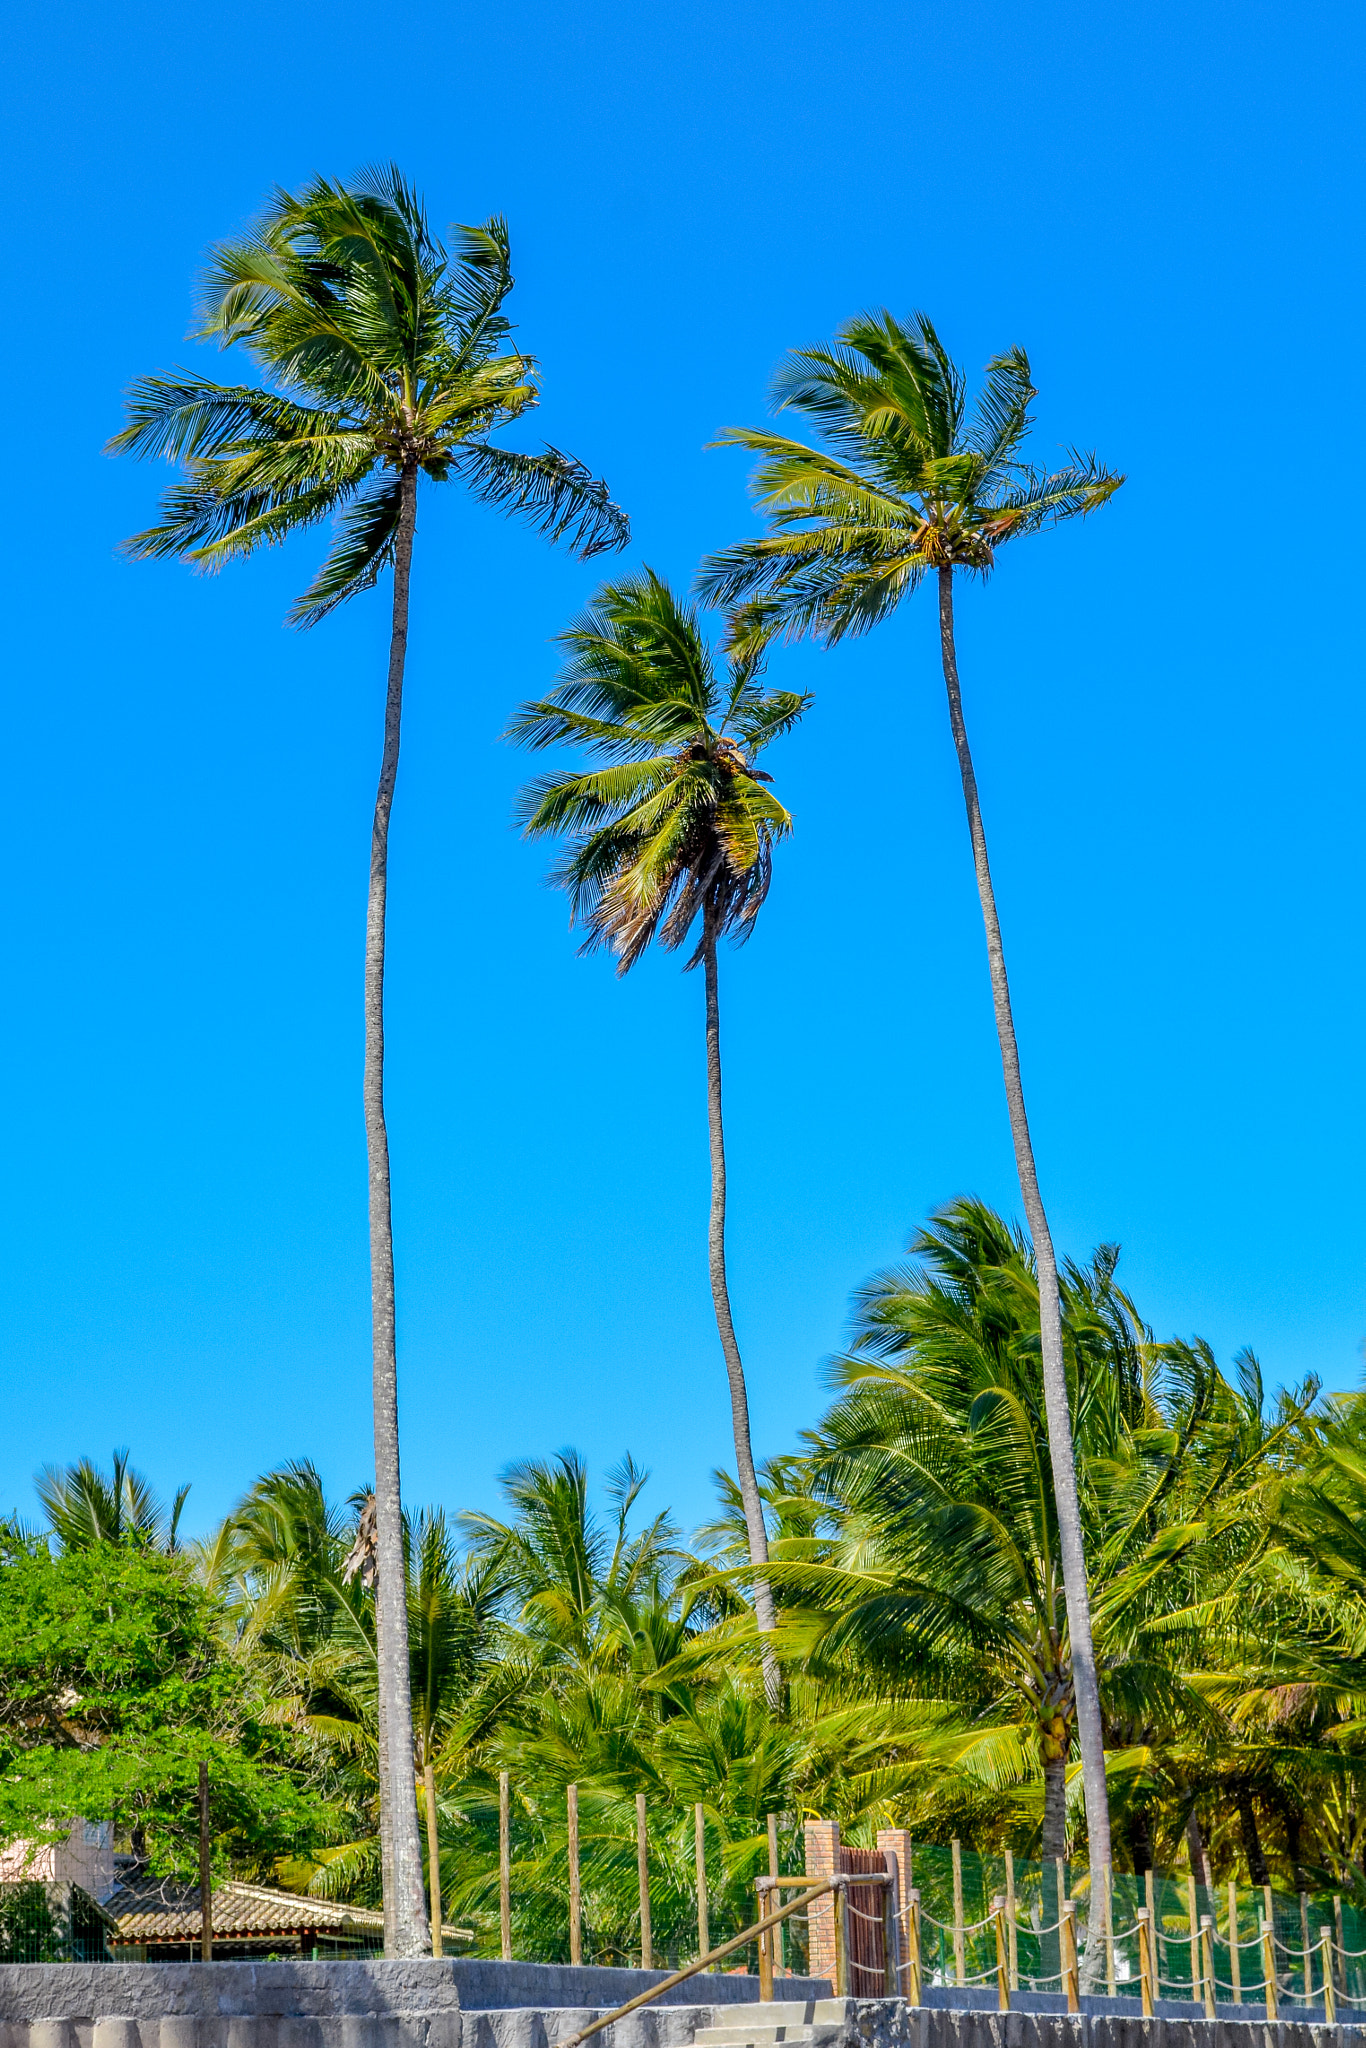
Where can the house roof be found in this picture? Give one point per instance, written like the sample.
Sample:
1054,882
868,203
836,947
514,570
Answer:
149,1909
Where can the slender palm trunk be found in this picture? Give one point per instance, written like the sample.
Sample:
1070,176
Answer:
735,1371
405,1911
433,1854
1056,1409
1054,1808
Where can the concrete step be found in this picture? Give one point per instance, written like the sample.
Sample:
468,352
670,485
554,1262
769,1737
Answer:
782,2023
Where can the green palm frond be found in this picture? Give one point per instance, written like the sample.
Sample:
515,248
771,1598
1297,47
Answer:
906,479
677,823
384,355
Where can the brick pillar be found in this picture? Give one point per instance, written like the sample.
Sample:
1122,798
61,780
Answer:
822,1854
895,1844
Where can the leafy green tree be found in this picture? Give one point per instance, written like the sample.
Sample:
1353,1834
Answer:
386,360
114,1686
84,1505
911,483
670,837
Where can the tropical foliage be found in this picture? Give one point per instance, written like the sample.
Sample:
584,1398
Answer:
576,1638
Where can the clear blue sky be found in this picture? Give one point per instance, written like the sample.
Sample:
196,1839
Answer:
1162,202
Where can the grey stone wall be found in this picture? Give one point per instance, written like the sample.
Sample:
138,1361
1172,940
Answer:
891,2023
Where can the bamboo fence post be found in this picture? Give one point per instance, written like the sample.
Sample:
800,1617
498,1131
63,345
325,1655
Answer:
998,1916
778,1938
1192,1908
913,1973
1304,1944
1145,1959
575,1894
647,1953
1069,1954
1108,1906
1150,1894
1330,2003
768,1898
960,1955
699,1832
205,1871
1012,1921
1234,1957
1207,1963
505,1866
842,1941
1269,1965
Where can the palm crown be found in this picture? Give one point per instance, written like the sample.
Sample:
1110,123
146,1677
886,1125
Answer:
387,357
677,820
910,480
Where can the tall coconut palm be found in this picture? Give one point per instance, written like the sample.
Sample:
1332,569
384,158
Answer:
670,837
910,482
386,359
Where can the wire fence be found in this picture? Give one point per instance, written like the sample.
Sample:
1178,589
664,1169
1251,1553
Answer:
50,1923
1210,1943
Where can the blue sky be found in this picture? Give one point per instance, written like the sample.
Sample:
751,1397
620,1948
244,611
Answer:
1161,202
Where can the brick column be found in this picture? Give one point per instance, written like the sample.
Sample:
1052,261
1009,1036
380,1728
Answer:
822,1855
895,1844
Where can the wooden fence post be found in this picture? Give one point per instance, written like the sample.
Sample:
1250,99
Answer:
842,1941
647,1954
1193,1913
1330,2003
1107,1886
914,1978
1207,1963
770,1898
1012,1922
1069,1954
1308,1952
998,1915
1340,1981
1150,1894
1145,1959
205,1871
505,1866
778,1937
960,1955
575,1894
699,1832
1269,1965
1235,1958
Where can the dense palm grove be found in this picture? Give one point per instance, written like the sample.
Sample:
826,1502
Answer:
578,1638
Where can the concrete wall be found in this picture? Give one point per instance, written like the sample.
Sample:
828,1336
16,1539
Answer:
891,2023
370,2004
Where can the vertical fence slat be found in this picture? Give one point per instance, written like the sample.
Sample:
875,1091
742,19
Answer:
205,1871
575,1895
699,1830
960,1958
1012,1922
505,1866
647,1955
778,1938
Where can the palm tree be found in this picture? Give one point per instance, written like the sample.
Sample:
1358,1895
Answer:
909,482
83,1506
675,825
386,359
